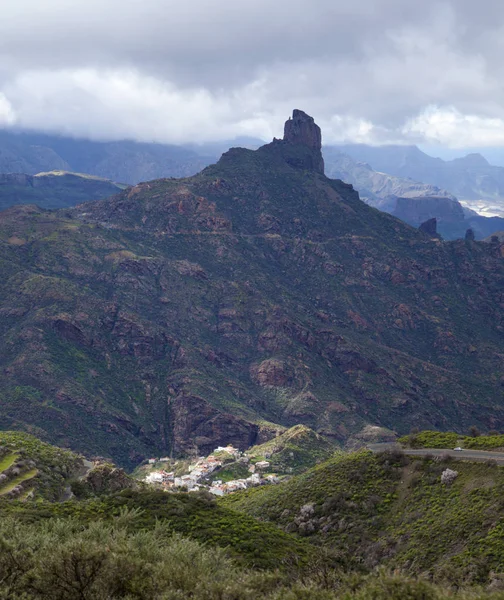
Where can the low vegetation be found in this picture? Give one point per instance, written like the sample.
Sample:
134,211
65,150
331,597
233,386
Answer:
59,559
195,515
294,451
393,510
29,467
450,439
358,526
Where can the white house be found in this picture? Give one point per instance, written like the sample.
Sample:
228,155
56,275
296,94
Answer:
154,478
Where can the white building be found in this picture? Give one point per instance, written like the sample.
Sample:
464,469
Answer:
154,478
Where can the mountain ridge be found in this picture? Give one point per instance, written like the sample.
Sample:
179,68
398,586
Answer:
179,315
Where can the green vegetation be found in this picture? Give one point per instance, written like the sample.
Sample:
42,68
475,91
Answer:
439,439
17,481
29,465
8,460
484,442
294,451
194,515
336,531
431,439
393,510
235,470
62,560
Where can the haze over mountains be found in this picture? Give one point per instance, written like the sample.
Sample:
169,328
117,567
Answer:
181,314
471,178
125,161
402,172
412,201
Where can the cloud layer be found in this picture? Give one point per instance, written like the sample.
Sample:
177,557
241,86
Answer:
370,70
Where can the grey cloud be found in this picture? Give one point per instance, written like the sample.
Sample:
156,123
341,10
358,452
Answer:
245,63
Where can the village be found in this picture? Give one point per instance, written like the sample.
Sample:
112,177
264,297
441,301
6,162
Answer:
199,473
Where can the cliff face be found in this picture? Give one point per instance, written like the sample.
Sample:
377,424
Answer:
183,314
302,130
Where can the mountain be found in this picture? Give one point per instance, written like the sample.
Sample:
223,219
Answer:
476,183
126,161
294,450
376,188
412,201
179,315
132,162
56,189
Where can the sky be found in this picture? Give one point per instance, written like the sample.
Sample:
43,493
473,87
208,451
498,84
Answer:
374,71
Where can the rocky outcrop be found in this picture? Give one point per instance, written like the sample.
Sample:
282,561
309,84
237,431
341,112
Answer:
107,479
301,129
198,428
429,227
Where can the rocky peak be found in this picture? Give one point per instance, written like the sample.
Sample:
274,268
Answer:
430,227
301,129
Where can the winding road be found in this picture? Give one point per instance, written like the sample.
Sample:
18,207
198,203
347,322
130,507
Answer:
477,455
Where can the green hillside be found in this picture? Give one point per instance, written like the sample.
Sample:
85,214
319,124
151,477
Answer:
293,451
358,527
450,439
391,510
30,468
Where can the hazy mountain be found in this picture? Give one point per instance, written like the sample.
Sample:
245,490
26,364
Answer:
182,314
56,189
412,201
132,162
126,161
471,178
376,188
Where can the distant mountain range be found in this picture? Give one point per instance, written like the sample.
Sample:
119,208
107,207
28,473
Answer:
401,180
125,161
56,189
471,179
410,200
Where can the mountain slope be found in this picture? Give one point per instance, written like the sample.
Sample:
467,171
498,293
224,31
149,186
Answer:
471,179
30,468
382,510
407,199
56,189
128,161
183,314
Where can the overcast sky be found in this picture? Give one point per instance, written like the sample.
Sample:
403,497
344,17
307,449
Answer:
376,71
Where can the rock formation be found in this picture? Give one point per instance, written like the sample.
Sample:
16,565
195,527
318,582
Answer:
429,227
301,129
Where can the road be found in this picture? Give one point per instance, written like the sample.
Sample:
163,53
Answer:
478,455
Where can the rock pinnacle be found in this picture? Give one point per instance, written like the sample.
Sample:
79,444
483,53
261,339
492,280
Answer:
301,129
